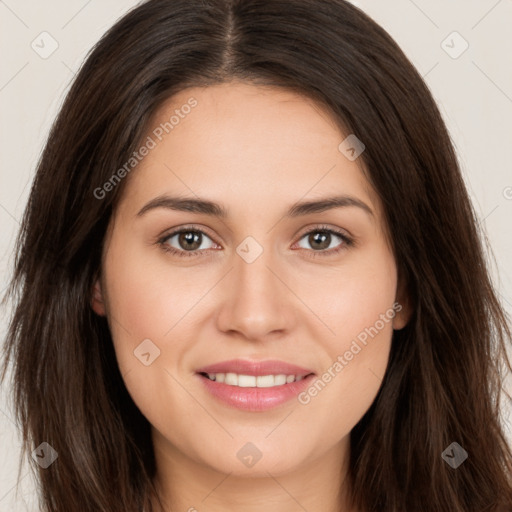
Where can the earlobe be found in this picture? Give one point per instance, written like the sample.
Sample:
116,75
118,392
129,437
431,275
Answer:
402,315
97,302
403,310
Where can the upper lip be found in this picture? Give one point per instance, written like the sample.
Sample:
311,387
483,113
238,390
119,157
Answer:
256,368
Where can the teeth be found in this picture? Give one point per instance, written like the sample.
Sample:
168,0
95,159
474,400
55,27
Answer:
246,381
231,379
266,381
251,381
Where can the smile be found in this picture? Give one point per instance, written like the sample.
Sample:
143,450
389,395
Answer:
254,385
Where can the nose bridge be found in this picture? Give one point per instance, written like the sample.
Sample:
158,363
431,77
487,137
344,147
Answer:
255,302
253,279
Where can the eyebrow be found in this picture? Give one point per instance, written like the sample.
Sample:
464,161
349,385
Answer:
206,207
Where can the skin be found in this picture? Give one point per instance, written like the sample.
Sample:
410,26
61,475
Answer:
257,151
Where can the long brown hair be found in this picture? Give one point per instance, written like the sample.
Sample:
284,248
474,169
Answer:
443,381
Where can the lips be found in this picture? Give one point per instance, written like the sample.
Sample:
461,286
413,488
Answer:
244,395
256,368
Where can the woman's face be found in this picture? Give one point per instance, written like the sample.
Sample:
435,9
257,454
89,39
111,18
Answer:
256,286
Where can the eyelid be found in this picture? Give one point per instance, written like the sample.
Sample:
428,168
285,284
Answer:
324,227
186,227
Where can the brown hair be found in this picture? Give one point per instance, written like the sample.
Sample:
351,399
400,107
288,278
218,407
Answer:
443,379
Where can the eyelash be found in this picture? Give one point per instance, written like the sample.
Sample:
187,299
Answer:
347,242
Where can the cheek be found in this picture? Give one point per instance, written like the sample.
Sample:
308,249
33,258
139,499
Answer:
152,311
146,298
355,297
358,309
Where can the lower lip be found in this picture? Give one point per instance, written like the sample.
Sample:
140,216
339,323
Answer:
255,399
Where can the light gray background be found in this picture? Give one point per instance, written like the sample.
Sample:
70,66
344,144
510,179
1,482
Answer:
474,91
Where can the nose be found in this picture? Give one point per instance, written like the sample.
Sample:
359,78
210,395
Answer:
257,301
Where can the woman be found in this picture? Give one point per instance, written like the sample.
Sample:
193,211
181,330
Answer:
180,340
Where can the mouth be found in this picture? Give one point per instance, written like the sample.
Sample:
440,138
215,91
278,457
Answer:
254,385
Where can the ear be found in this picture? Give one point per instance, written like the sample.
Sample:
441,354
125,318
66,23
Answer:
403,308
97,302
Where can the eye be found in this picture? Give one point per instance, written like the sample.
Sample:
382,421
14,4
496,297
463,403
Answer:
188,242
321,238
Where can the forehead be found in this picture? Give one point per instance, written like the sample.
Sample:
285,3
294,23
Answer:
239,144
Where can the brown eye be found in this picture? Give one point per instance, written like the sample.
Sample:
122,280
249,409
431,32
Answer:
185,241
189,240
320,240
